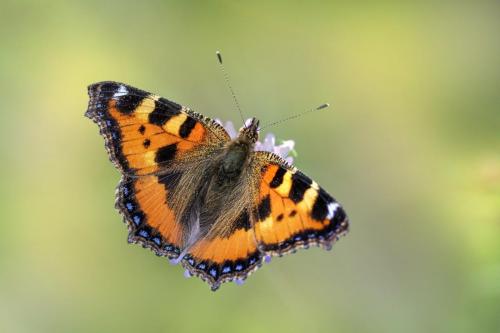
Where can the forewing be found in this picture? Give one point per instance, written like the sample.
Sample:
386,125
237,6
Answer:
146,133
293,210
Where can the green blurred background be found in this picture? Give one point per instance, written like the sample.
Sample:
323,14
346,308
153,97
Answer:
410,147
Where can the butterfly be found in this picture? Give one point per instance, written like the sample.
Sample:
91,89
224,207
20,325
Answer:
194,195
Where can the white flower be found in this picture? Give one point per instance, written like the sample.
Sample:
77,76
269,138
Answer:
269,144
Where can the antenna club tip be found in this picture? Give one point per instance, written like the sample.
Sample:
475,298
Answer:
219,56
323,106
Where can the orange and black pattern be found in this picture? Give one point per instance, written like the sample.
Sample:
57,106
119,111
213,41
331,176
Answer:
226,258
155,143
144,132
145,135
294,211
150,220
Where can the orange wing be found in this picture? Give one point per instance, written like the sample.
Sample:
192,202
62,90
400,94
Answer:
146,135
225,257
293,211
151,222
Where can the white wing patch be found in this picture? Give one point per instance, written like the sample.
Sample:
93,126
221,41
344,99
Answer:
122,91
332,207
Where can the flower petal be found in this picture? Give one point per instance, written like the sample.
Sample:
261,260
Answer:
269,141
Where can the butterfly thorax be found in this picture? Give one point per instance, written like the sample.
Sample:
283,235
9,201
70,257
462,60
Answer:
237,153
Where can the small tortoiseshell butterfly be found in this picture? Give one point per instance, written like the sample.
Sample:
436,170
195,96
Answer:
191,193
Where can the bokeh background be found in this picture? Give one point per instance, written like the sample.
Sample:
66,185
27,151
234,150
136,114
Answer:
410,147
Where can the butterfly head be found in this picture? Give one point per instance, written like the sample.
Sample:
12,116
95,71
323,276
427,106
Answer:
250,130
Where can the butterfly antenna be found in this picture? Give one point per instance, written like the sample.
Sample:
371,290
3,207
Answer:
226,78
321,107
